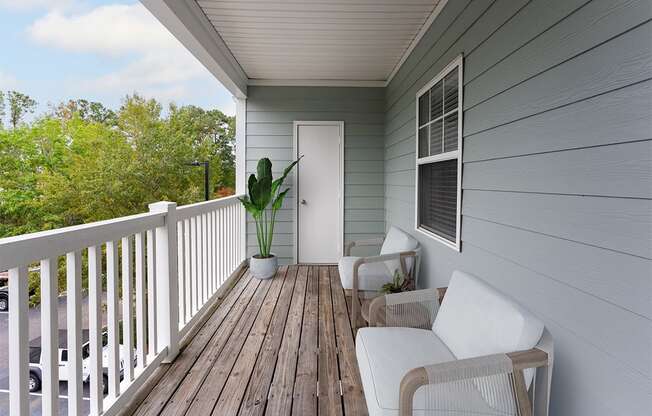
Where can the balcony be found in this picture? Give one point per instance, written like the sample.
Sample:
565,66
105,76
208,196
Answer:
152,278
276,347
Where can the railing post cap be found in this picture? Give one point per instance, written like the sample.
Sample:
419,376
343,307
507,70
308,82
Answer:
162,206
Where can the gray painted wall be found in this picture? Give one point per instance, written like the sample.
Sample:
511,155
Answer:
557,200
271,112
557,181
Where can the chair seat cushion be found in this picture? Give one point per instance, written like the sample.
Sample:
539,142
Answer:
385,355
370,276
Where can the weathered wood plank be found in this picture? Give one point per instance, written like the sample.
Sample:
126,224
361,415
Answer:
255,398
280,392
357,320
161,393
354,401
330,401
187,390
305,385
234,390
220,368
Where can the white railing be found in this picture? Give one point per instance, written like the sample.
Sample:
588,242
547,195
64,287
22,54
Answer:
156,272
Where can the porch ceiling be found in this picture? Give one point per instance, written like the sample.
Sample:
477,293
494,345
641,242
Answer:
362,40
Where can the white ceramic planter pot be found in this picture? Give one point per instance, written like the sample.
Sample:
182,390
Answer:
261,268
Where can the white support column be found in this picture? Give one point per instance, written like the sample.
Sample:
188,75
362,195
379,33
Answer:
50,336
18,343
241,166
167,298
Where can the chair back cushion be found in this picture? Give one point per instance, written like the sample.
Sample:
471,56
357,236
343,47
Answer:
475,319
397,241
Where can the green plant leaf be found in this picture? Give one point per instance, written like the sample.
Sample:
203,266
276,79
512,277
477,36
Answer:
278,202
252,185
251,208
264,188
279,181
264,169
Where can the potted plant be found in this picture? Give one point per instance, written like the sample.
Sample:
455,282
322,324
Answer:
264,200
398,284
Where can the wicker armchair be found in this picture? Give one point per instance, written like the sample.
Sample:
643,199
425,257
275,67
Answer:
363,277
478,356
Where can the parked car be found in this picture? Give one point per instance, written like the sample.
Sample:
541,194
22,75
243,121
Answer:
4,299
36,369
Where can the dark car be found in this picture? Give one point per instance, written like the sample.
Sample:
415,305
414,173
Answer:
4,299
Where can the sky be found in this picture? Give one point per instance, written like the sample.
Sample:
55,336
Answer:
100,50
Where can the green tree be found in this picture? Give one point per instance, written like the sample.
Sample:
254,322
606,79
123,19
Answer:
82,163
19,105
86,110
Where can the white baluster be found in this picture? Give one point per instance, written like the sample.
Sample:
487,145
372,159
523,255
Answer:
151,293
193,260
141,305
95,327
242,234
127,310
180,278
187,263
223,244
49,337
74,331
229,219
112,317
204,262
209,252
216,283
18,343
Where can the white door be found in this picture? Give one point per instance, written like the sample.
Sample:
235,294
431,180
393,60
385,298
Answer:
319,191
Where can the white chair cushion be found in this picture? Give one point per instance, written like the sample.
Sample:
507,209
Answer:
385,355
370,276
397,241
475,319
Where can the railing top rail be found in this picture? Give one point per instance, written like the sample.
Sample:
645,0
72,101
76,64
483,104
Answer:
188,211
27,248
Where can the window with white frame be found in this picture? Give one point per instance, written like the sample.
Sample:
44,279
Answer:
439,156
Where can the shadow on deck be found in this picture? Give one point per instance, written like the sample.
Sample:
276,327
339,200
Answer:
275,347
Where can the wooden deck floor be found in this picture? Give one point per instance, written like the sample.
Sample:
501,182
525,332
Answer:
278,347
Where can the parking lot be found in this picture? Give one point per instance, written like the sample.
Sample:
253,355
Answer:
34,331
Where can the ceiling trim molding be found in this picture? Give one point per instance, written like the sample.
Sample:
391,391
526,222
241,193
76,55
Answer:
314,83
188,23
415,41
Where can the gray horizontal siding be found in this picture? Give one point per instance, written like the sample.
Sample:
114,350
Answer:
557,179
271,112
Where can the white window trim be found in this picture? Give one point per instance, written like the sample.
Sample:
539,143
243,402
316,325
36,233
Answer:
455,245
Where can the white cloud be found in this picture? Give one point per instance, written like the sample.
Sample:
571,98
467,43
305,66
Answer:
160,76
109,30
160,66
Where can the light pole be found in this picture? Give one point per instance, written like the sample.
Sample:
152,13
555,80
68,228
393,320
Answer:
206,174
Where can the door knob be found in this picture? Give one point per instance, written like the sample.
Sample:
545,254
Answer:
303,202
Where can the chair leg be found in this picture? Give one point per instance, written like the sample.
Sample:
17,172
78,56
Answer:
355,310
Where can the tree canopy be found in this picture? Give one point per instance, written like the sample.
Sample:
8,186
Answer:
83,162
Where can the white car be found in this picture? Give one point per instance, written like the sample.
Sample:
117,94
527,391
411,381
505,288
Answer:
35,368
